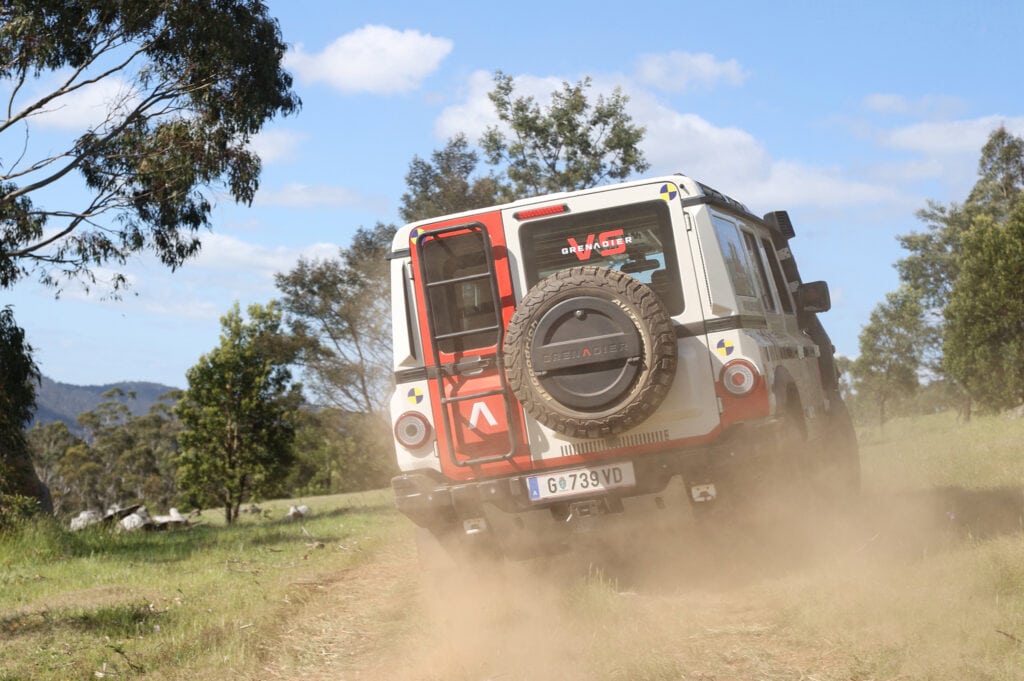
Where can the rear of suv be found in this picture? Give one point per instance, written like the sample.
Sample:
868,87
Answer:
581,355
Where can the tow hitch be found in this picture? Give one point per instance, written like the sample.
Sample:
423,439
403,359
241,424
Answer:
584,509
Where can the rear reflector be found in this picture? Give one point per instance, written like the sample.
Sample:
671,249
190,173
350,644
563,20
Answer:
540,212
739,378
412,430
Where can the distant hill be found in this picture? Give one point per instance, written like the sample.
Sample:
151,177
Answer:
64,402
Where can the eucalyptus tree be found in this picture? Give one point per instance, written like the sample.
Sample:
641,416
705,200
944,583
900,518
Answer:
19,377
572,143
892,344
983,348
183,85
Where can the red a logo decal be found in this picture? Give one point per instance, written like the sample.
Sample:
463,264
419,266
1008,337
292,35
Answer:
607,243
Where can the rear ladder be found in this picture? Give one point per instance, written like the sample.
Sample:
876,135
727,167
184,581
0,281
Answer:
474,364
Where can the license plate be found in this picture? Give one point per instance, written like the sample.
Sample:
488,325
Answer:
579,481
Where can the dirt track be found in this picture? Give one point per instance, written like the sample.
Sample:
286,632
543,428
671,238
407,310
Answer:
796,604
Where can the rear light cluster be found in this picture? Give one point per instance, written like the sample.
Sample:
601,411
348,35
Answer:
740,377
412,430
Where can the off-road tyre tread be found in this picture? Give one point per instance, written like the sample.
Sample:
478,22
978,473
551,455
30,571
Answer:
660,355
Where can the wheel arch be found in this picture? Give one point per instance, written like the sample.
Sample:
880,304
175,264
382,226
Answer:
786,393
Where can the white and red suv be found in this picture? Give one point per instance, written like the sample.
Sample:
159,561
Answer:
584,354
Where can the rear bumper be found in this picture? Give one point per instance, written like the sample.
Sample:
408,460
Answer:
434,503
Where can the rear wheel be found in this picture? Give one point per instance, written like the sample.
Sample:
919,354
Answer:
840,460
775,486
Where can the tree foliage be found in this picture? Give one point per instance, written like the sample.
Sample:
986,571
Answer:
239,413
339,311
984,333
891,352
1001,175
445,184
122,459
936,257
572,143
49,444
933,262
19,485
19,377
188,83
341,452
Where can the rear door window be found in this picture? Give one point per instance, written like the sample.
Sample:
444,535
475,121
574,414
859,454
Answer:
460,293
635,239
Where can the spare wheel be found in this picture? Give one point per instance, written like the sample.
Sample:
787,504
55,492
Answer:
590,352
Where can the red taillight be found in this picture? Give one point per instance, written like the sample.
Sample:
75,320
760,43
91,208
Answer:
541,212
412,430
740,377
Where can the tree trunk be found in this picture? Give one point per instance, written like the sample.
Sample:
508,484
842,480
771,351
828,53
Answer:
24,481
881,416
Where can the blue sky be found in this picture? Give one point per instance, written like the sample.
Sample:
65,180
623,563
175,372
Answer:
849,117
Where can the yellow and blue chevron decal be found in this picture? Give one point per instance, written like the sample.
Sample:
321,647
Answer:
725,347
668,191
414,396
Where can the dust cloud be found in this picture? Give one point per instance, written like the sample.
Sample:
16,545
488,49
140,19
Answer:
680,599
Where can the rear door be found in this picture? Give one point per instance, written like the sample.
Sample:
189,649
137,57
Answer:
461,274
639,230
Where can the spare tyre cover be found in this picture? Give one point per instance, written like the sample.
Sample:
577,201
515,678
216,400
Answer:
590,352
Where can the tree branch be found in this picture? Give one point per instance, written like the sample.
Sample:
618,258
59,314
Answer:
146,103
70,85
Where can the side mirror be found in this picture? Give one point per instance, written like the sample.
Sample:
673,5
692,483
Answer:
813,297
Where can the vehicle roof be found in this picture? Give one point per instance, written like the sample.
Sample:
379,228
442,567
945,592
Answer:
696,191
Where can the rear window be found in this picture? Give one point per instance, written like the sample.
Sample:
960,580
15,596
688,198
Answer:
459,287
635,239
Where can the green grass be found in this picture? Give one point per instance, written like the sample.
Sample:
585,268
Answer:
939,450
923,581
936,590
160,604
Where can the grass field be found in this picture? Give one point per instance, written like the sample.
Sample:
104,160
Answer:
197,603
924,580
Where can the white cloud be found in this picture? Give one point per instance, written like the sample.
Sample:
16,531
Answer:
375,59
473,115
101,288
928,106
276,145
789,184
298,195
192,309
679,71
85,108
949,137
735,162
727,158
227,269
228,253
687,143
476,111
942,152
